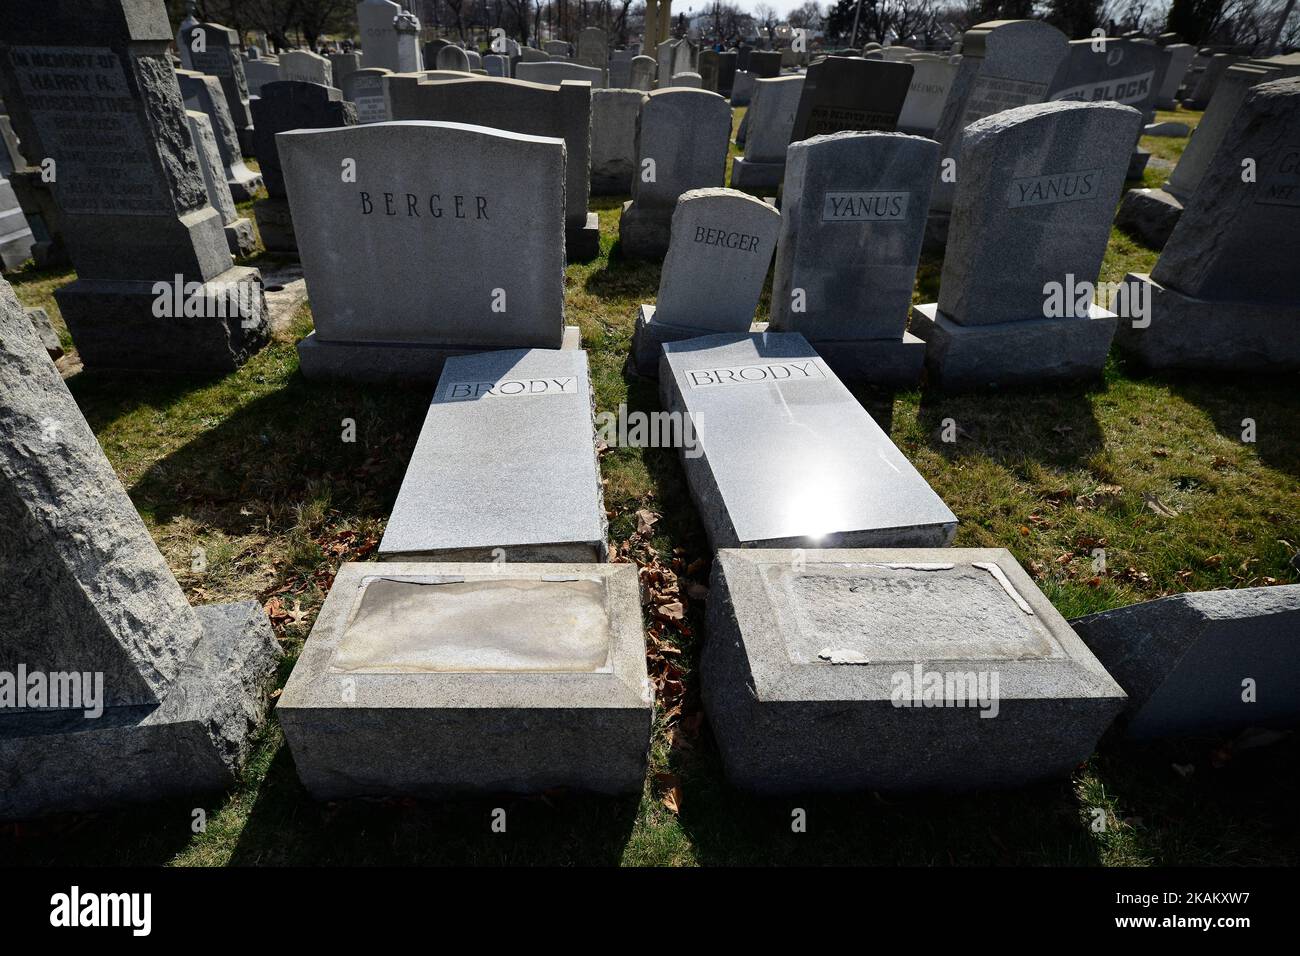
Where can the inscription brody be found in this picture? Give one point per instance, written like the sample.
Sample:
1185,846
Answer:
865,206
509,388
730,240
410,205
754,374
1054,188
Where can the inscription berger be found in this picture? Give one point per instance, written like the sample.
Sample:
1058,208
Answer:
865,206
410,204
1054,188
509,388
731,240
770,372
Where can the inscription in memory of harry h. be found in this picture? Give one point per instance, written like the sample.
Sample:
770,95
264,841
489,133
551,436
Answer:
1054,188
87,121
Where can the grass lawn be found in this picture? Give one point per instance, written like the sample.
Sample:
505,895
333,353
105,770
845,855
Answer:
252,469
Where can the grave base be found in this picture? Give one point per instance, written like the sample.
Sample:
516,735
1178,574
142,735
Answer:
275,226
1137,164
1150,215
243,183
644,234
648,338
240,237
485,711
752,175
1012,353
1188,333
891,363
388,362
113,325
194,741
815,667
583,245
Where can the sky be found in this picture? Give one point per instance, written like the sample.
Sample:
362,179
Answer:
781,6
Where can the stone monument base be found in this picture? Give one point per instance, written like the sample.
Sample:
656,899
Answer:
115,323
1150,215
751,175
1012,353
433,679
648,337
892,363
1188,333
240,238
388,362
194,741
244,183
644,234
583,245
276,226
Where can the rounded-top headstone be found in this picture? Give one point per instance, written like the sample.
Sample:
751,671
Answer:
453,58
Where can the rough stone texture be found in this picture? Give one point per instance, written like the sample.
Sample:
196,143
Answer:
688,80
1150,215
613,140
1038,187
786,457
287,105
203,93
239,231
1183,659
932,78
1024,352
518,107
408,259
364,89
642,75
462,499
539,682
812,656
553,73
222,60
770,121
853,217
842,93
44,330
1179,59
1208,82
303,66
685,134
1004,64
378,36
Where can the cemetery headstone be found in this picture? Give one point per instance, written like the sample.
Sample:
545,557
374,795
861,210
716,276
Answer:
375,20
461,500
770,122
364,89
1208,82
303,66
853,219
764,64
409,56
214,49
613,140
1184,660
840,93
722,244
453,58
1222,295
932,78
1179,59
690,81
534,109
1004,64
180,691
553,72
129,189
398,262
1038,188
784,456
557,48
593,48
620,69
203,93
497,65
259,72
16,239
239,231
286,105
343,65
829,670
742,88
681,144
431,48
643,73
551,655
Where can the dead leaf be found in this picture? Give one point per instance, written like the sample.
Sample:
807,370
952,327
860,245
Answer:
1154,503
645,521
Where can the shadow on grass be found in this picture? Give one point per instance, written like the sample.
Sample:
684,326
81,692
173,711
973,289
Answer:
286,827
1270,402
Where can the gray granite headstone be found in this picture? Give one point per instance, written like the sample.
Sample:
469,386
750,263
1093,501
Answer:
448,241
343,65
130,193
1179,59
687,80
764,64
895,670
770,122
364,89
593,48
479,678
553,73
642,76
853,218
258,73
1038,188
306,67
220,58
932,78
452,58
497,65
88,595
620,69
1204,662
841,93
378,35
203,93
721,247
239,231
463,500
1208,82
1222,294
613,140
681,144
786,457
1004,64
519,107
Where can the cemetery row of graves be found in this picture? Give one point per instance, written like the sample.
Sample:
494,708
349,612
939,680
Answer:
647,447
